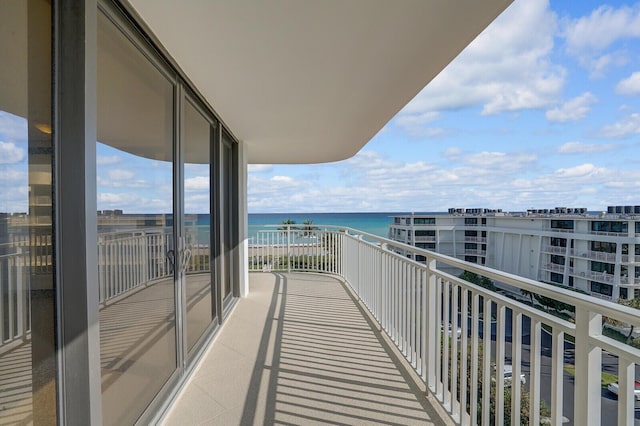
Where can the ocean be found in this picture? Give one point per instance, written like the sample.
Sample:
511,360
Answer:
372,223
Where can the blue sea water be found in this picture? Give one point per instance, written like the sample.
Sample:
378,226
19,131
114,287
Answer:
372,223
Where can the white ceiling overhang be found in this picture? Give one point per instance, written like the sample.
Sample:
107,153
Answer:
312,81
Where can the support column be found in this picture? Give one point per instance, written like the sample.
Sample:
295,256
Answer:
243,220
76,221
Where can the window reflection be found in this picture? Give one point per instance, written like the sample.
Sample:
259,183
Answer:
197,207
27,292
136,255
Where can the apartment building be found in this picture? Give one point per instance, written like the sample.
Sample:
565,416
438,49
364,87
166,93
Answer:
155,109
596,253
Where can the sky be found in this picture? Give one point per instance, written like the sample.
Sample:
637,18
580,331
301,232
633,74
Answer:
541,110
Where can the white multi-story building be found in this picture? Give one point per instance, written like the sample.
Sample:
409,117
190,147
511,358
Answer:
595,253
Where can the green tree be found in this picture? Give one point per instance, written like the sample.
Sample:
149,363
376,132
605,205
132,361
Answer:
632,303
480,280
307,227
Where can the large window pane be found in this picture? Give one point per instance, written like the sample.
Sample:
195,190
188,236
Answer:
27,291
135,227
197,207
227,213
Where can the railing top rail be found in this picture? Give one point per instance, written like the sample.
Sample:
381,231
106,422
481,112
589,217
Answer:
584,301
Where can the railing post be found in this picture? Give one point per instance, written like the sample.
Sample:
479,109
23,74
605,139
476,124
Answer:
288,248
588,360
430,326
380,280
359,265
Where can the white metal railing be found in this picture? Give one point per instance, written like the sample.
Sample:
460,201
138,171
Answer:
555,249
553,267
425,239
14,294
131,259
414,301
476,239
127,260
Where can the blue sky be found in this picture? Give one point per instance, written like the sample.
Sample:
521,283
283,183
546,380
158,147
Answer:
541,110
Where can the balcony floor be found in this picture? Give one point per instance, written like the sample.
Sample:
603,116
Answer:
300,350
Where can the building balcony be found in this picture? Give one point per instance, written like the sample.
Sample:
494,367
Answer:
553,267
338,328
555,250
301,349
425,239
476,239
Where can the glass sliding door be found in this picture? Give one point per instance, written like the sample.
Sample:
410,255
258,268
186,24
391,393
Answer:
198,274
137,254
227,216
27,281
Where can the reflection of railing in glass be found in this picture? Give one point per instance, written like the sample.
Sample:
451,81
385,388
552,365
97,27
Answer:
127,261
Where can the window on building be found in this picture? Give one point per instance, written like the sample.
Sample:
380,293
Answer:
624,293
602,267
570,281
609,226
601,288
484,221
470,220
424,221
471,246
637,227
473,259
420,258
562,224
557,260
425,233
470,233
557,278
426,246
559,242
28,285
602,246
396,220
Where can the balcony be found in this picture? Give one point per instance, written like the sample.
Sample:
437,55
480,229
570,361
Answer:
301,349
338,328
413,302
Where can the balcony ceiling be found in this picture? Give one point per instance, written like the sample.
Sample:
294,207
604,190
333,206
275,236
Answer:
312,81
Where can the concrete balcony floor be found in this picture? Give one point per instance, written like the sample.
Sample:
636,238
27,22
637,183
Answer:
301,350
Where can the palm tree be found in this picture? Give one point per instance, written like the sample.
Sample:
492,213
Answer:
307,227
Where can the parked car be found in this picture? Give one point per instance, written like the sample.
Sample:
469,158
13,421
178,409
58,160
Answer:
614,388
508,375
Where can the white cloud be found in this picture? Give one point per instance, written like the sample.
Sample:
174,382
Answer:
587,37
602,28
103,160
10,153
452,152
198,183
504,69
629,86
584,148
498,161
12,127
572,110
583,170
120,174
627,126
260,168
